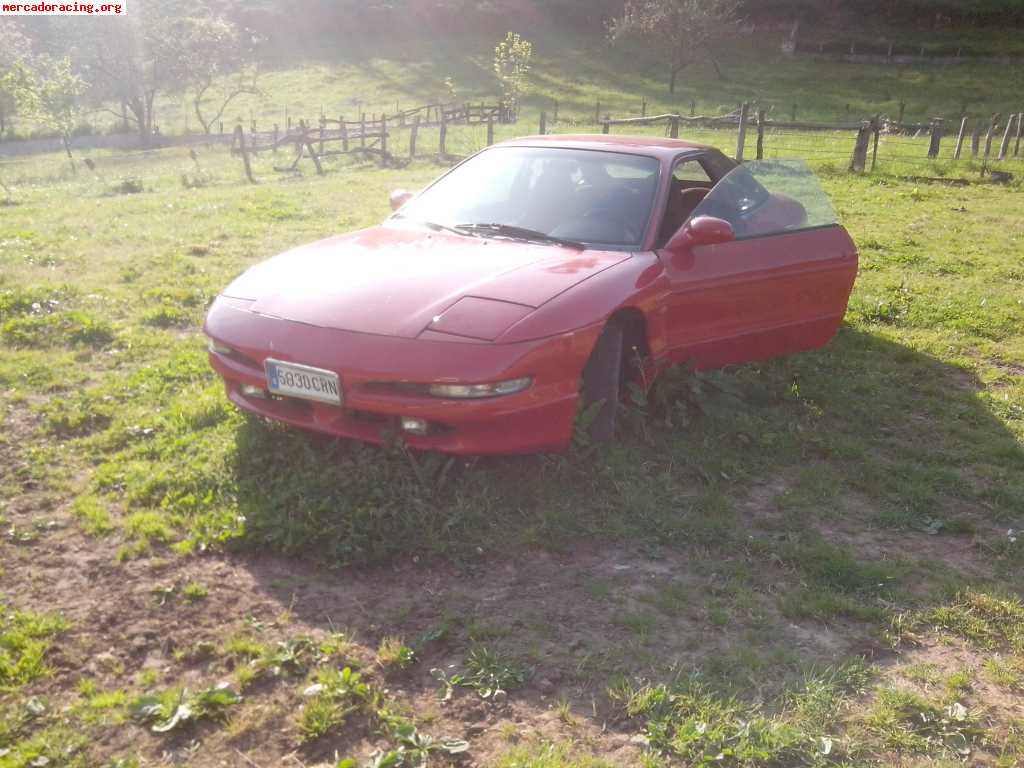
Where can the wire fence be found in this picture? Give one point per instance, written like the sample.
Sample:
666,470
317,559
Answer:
914,150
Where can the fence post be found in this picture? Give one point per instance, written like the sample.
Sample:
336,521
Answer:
673,127
876,129
1005,145
344,133
221,127
903,109
240,138
741,138
362,130
760,134
988,136
860,149
554,114
936,139
490,129
794,111
412,136
643,108
1020,132
976,139
383,136
441,152
693,107
275,137
960,139
543,122
309,148
288,124
323,125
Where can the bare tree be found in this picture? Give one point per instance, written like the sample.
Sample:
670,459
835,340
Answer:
220,64
685,31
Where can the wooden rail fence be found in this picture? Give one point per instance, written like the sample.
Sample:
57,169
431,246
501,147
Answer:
1002,138
368,136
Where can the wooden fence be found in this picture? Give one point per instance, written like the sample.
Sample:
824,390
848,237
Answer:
991,139
368,136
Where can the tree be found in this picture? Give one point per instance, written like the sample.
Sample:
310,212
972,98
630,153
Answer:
131,59
48,93
511,65
214,49
14,48
685,31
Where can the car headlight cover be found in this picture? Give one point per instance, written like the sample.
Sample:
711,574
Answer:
220,349
469,391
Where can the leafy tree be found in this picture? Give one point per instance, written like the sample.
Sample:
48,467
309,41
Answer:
129,60
14,48
511,66
685,31
48,93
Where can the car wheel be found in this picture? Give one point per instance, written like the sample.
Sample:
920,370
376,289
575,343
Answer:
602,383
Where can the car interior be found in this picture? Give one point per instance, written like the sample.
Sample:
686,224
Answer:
690,183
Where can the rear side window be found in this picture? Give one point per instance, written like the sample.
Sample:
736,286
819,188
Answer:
690,170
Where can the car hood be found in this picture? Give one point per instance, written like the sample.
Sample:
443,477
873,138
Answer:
397,282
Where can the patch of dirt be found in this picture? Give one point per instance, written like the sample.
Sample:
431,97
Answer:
541,609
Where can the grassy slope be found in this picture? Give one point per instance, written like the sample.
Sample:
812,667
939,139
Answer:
378,76
822,475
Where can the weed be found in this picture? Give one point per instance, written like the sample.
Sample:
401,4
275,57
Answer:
130,185
1005,671
394,653
907,723
489,673
988,621
334,696
411,749
177,708
194,591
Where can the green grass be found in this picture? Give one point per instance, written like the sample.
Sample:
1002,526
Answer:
799,491
579,71
25,638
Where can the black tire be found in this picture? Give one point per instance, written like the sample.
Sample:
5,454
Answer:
602,382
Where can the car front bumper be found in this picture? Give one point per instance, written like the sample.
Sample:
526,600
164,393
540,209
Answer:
369,367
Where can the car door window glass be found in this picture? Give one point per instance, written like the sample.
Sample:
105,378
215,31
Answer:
768,197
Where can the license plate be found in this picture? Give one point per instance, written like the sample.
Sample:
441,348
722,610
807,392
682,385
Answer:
293,380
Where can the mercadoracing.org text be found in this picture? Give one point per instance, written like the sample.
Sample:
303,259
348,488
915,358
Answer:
62,9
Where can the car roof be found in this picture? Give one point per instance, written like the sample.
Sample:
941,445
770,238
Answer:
635,145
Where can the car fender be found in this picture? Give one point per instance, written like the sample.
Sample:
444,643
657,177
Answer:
636,283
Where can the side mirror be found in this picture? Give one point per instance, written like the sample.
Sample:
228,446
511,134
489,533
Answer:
702,230
399,197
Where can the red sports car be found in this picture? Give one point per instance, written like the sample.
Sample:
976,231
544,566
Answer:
529,279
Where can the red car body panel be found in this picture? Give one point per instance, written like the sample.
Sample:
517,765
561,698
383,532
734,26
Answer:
395,305
394,282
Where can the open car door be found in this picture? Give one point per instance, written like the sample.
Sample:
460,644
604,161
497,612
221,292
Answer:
778,282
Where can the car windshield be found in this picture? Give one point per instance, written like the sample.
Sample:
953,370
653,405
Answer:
768,197
548,194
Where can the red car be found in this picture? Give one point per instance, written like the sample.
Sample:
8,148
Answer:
528,280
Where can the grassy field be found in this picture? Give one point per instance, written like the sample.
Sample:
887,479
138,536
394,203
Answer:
812,561
378,75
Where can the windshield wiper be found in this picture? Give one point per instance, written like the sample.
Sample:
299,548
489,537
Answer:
432,225
520,233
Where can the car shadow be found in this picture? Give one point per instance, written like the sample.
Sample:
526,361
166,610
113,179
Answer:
700,544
